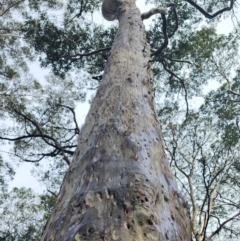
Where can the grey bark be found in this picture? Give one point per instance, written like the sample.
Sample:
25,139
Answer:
119,185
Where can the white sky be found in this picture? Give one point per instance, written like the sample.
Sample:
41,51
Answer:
23,175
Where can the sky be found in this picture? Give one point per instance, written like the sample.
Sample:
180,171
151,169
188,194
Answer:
23,175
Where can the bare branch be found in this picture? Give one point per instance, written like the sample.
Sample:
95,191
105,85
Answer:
183,84
221,226
88,53
233,92
78,14
164,29
74,117
223,74
83,54
13,5
237,124
5,75
46,138
8,35
207,15
54,194
182,61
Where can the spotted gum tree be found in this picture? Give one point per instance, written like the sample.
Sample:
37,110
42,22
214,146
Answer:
119,185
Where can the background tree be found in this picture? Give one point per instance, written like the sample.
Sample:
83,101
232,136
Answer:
191,61
23,214
205,168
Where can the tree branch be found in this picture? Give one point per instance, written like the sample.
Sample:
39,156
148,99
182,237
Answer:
237,124
222,73
164,28
182,61
176,22
74,117
78,14
43,136
88,53
207,15
152,12
54,194
13,5
221,226
183,84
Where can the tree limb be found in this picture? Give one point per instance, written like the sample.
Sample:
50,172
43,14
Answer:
54,194
182,61
183,84
176,22
237,124
74,117
222,73
46,138
13,5
88,53
221,226
164,29
207,15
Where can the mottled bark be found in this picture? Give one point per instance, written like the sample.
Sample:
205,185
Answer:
119,185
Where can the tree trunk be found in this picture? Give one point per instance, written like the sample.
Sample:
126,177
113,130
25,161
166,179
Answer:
119,185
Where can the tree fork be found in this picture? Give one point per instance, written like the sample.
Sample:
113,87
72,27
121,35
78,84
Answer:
119,185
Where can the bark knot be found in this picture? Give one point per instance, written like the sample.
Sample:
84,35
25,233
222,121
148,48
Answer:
112,9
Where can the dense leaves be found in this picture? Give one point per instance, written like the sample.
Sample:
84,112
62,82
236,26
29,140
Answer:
23,214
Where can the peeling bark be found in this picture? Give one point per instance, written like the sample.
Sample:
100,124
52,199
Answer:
119,185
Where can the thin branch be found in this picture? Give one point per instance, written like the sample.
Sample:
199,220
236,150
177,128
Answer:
81,10
207,15
194,204
54,194
12,94
45,137
233,92
6,10
8,35
237,124
221,226
183,84
38,136
83,54
182,61
164,29
207,196
175,28
211,195
176,22
88,53
74,117
222,73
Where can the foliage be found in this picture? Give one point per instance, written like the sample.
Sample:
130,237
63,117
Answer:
6,174
23,214
205,168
